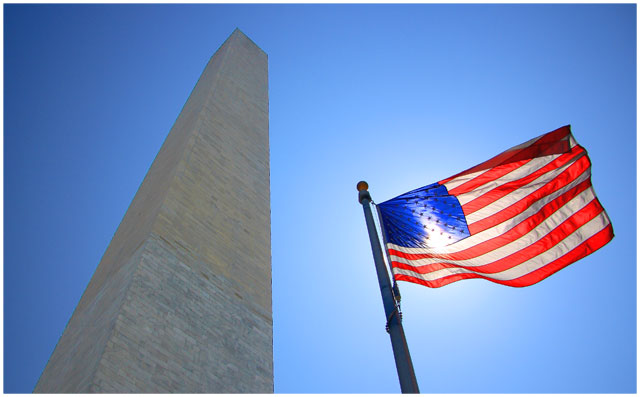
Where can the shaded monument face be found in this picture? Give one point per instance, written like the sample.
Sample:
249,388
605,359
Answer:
181,300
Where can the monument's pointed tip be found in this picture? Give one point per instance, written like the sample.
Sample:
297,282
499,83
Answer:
238,32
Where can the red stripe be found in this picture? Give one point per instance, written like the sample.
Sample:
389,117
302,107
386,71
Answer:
424,269
487,176
504,189
548,143
544,244
439,282
589,246
514,233
567,176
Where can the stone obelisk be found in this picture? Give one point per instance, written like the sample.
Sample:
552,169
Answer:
181,300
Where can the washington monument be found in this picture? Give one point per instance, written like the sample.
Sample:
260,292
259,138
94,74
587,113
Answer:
181,299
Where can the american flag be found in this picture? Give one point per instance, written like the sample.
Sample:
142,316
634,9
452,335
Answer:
514,219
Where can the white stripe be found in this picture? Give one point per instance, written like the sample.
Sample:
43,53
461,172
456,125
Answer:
500,228
572,241
535,234
464,178
452,184
520,172
518,194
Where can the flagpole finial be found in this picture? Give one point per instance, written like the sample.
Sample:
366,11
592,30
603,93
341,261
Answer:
363,193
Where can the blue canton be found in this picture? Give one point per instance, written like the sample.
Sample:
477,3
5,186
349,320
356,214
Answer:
424,218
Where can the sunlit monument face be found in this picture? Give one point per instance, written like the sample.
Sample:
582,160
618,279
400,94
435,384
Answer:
181,300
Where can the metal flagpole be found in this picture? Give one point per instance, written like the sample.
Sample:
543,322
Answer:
406,375
396,290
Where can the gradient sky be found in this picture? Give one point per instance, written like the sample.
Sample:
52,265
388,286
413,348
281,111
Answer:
398,95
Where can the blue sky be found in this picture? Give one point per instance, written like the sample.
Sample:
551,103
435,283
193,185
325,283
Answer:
398,95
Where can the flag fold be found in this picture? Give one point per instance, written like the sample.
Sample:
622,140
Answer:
514,219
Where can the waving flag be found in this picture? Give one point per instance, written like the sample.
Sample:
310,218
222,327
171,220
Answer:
514,219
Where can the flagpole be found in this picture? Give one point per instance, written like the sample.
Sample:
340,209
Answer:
406,375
